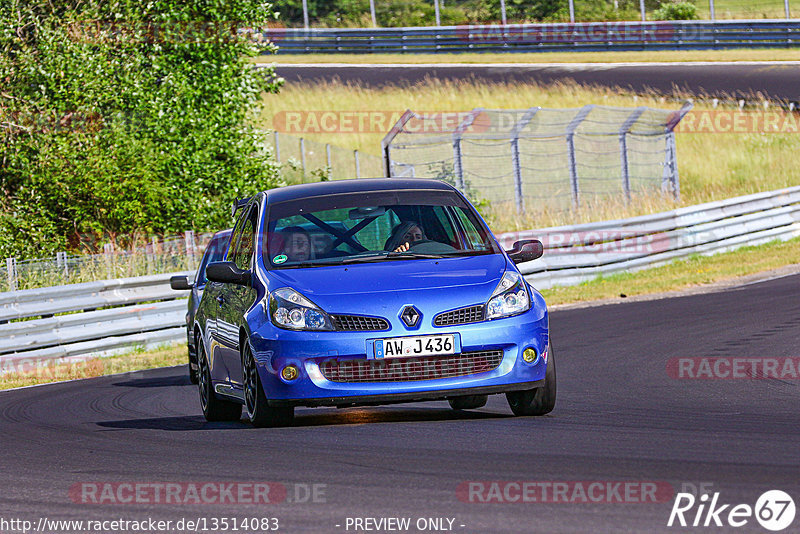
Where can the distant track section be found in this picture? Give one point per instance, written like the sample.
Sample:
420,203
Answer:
776,80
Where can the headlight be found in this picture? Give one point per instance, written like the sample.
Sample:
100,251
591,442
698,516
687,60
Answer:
289,309
509,298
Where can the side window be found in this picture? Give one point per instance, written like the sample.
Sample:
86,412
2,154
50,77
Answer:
474,239
245,248
236,236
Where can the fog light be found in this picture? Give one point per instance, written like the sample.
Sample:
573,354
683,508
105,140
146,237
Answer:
529,355
289,372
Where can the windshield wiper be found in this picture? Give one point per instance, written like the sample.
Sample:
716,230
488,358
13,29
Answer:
384,255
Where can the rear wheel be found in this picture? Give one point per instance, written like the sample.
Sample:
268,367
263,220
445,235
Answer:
260,413
468,402
537,401
214,409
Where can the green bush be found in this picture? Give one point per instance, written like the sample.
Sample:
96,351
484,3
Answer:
676,11
125,118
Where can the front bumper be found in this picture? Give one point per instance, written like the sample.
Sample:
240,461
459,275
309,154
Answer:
275,348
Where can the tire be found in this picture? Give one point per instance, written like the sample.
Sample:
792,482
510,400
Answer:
537,401
257,409
468,402
214,409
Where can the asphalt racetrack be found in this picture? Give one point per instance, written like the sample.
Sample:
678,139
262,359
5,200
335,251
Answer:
620,416
745,80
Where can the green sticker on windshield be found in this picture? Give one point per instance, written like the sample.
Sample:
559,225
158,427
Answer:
280,258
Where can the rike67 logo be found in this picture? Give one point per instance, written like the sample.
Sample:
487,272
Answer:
774,510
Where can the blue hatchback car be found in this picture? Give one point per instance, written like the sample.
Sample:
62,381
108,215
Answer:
368,292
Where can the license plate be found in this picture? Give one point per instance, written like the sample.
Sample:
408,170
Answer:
403,347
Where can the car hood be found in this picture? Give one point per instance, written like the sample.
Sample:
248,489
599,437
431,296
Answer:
384,288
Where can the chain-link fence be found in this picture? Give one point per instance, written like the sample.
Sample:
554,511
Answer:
305,160
157,256
416,13
541,158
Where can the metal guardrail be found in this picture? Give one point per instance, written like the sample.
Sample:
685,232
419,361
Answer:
98,317
113,315
544,37
575,254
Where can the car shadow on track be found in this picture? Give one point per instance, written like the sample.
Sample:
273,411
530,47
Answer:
155,382
308,419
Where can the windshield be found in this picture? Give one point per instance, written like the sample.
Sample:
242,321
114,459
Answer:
372,227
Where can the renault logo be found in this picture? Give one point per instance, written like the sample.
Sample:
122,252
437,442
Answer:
410,316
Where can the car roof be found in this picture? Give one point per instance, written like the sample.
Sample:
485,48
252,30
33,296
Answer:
294,192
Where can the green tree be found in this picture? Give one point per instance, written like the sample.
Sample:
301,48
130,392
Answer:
118,118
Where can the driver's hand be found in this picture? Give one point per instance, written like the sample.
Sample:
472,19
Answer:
403,248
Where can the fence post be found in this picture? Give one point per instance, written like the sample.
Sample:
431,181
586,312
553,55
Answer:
108,250
62,264
623,149
438,15
277,148
188,237
303,156
642,9
389,137
573,169
328,154
515,163
786,8
458,167
11,268
671,162
572,11
503,12
711,9
358,164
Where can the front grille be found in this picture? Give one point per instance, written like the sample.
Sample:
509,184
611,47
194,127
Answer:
411,369
359,323
471,314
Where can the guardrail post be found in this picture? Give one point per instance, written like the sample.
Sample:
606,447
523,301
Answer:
641,8
623,149
277,148
11,268
303,156
518,127
786,8
711,9
358,164
572,11
573,166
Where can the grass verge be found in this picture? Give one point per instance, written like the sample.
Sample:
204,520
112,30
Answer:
32,373
682,274
712,166
670,56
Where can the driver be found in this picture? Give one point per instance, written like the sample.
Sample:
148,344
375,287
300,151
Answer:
405,234
296,243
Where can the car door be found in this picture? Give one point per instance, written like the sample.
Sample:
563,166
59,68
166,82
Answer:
237,299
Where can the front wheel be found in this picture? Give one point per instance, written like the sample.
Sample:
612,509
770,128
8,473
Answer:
214,409
260,413
536,401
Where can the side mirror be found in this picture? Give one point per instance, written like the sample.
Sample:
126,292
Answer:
226,272
180,282
527,250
